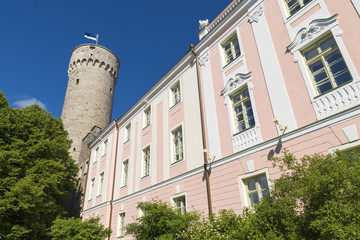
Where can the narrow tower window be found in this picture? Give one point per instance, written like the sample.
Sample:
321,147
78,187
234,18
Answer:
110,90
77,81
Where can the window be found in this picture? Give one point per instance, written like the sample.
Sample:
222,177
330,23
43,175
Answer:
86,167
180,205
243,112
231,49
177,139
326,65
101,182
92,185
104,147
147,117
256,189
175,94
295,5
96,154
146,162
121,228
127,133
125,169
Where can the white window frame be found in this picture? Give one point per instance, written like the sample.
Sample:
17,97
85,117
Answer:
101,183
91,188
298,45
96,154
172,103
122,225
127,133
172,150
346,147
228,39
123,183
143,162
244,177
105,146
304,38
300,2
177,196
234,84
147,117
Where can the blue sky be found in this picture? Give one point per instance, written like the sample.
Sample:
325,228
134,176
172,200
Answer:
38,36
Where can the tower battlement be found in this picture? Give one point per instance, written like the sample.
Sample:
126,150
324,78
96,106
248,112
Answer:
96,56
93,72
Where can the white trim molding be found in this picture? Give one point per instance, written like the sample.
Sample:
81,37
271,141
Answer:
307,34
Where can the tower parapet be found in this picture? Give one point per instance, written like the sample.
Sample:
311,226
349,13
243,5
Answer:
93,72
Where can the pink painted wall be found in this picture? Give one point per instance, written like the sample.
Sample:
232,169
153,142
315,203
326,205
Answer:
261,97
293,79
221,110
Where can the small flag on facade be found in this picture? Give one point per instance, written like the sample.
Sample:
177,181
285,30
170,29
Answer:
92,36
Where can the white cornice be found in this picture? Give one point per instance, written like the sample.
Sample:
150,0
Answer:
223,14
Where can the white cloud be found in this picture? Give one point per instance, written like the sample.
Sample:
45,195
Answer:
28,102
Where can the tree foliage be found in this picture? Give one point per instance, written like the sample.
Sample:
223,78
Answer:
317,197
75,229
159,221
36,171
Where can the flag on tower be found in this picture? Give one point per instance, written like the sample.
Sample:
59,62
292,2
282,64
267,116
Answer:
91,36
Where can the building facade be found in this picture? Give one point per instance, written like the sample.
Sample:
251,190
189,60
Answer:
264,76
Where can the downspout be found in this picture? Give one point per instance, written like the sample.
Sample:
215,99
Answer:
203,132
113,181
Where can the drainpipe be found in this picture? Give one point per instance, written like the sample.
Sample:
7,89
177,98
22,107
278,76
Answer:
113,181
203,131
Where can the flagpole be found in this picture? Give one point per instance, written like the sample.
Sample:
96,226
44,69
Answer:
97,39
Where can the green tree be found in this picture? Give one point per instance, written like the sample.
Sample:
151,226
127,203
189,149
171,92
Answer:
317,197
160,221
36,171
75,229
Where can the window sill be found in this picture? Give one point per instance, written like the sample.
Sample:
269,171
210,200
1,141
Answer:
334,89
176,163
146,126
145,177
238,133
175,105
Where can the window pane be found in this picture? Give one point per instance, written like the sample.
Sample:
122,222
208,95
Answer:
320,76
236,98
251,122
240,118
311,53
238,109
343,78
327,43
245,93
263,182
316,66
251,184
254,198
324,87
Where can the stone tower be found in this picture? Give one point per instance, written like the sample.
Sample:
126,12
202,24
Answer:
93,72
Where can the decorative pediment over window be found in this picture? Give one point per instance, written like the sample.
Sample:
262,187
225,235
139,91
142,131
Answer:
306,34
235,82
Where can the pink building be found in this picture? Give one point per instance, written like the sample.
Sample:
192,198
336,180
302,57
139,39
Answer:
264,76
